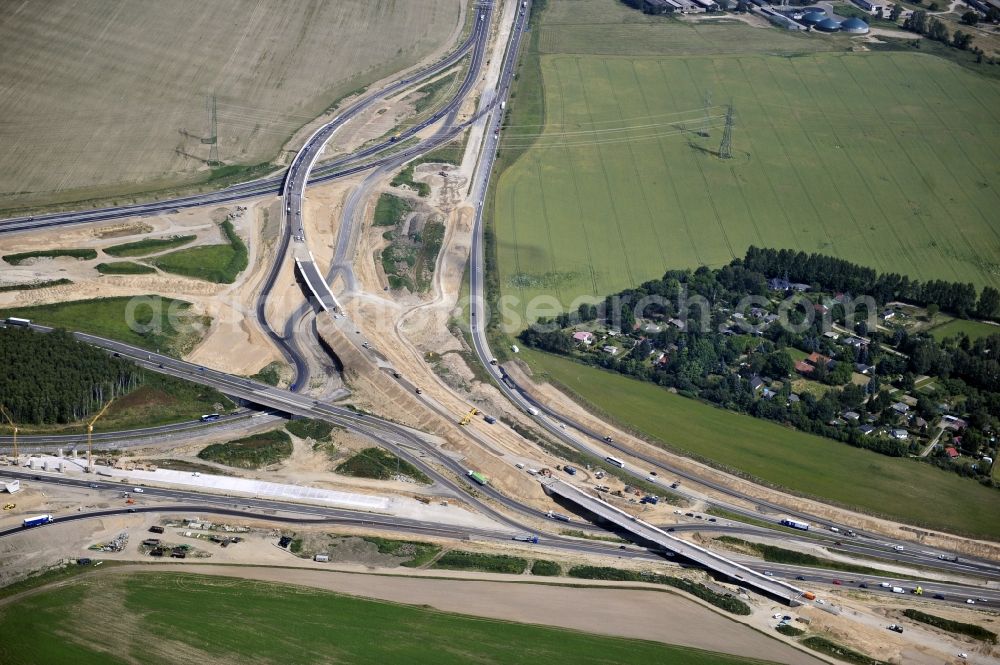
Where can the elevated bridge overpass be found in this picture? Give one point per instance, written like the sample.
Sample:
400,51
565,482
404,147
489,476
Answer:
646,532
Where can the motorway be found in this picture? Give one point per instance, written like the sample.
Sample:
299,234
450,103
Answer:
193,503
400,439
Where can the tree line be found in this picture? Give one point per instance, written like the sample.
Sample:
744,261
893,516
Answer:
53,378
828,273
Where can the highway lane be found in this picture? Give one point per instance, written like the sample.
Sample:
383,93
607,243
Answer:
270,510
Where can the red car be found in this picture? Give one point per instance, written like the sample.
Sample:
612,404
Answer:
836,582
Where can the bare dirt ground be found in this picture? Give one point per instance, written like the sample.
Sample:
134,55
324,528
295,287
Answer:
233,342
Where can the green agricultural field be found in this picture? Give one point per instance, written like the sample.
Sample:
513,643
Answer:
898,488
213,263
887,159
974,329
195,619
147,246
150,322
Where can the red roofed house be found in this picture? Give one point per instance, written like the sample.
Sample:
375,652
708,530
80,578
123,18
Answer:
583,336
951,452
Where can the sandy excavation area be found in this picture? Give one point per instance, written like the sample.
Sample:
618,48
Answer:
232,343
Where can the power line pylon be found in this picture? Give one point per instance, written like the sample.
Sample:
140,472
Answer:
726,148
213,131
708,105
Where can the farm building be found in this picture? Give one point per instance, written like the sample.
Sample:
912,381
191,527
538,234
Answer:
870,7
813,18
854,26
828,25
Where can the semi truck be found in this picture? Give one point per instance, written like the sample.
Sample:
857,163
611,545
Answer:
526,539
795,524
14,321
478,477
38,520
556,516
210,417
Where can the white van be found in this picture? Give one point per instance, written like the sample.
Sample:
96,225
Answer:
137,490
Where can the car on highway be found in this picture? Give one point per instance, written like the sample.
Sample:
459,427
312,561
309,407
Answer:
609,440
92,485
969,601
894,627
800,578
138,490
863,585
837,582
938,596
898,548
769,573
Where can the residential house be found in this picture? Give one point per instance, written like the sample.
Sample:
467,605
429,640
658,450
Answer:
802,367
611,350
951,452
899,434
757,384
584,337
852,416
866,430
900,408
862,368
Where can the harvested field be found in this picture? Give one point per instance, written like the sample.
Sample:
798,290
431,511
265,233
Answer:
102,100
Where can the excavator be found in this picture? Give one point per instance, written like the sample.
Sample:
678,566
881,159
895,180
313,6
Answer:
10,421
90,434
467,418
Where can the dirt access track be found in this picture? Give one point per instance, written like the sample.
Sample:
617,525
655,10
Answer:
642,613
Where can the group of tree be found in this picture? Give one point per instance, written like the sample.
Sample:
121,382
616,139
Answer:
713,364
828,273
53,378
932,28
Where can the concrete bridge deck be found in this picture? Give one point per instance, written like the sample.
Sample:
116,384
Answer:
647,532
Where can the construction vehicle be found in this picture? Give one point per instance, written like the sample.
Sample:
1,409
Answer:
90,434
896,628
919,591
526,539
467,418
10,421
9,506
129,502
809,595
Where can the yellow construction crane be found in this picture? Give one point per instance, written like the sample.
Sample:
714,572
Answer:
90,433
467,418
6,414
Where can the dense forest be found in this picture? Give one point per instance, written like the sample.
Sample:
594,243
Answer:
53,378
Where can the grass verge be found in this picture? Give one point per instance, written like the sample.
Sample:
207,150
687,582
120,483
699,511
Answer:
487,563
726,602
310,428
150,322
147,246
773,554
31,286
79,254
124,268
954,627
840,652
252,452
389,210
417,553
544,568
212,263
381,465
